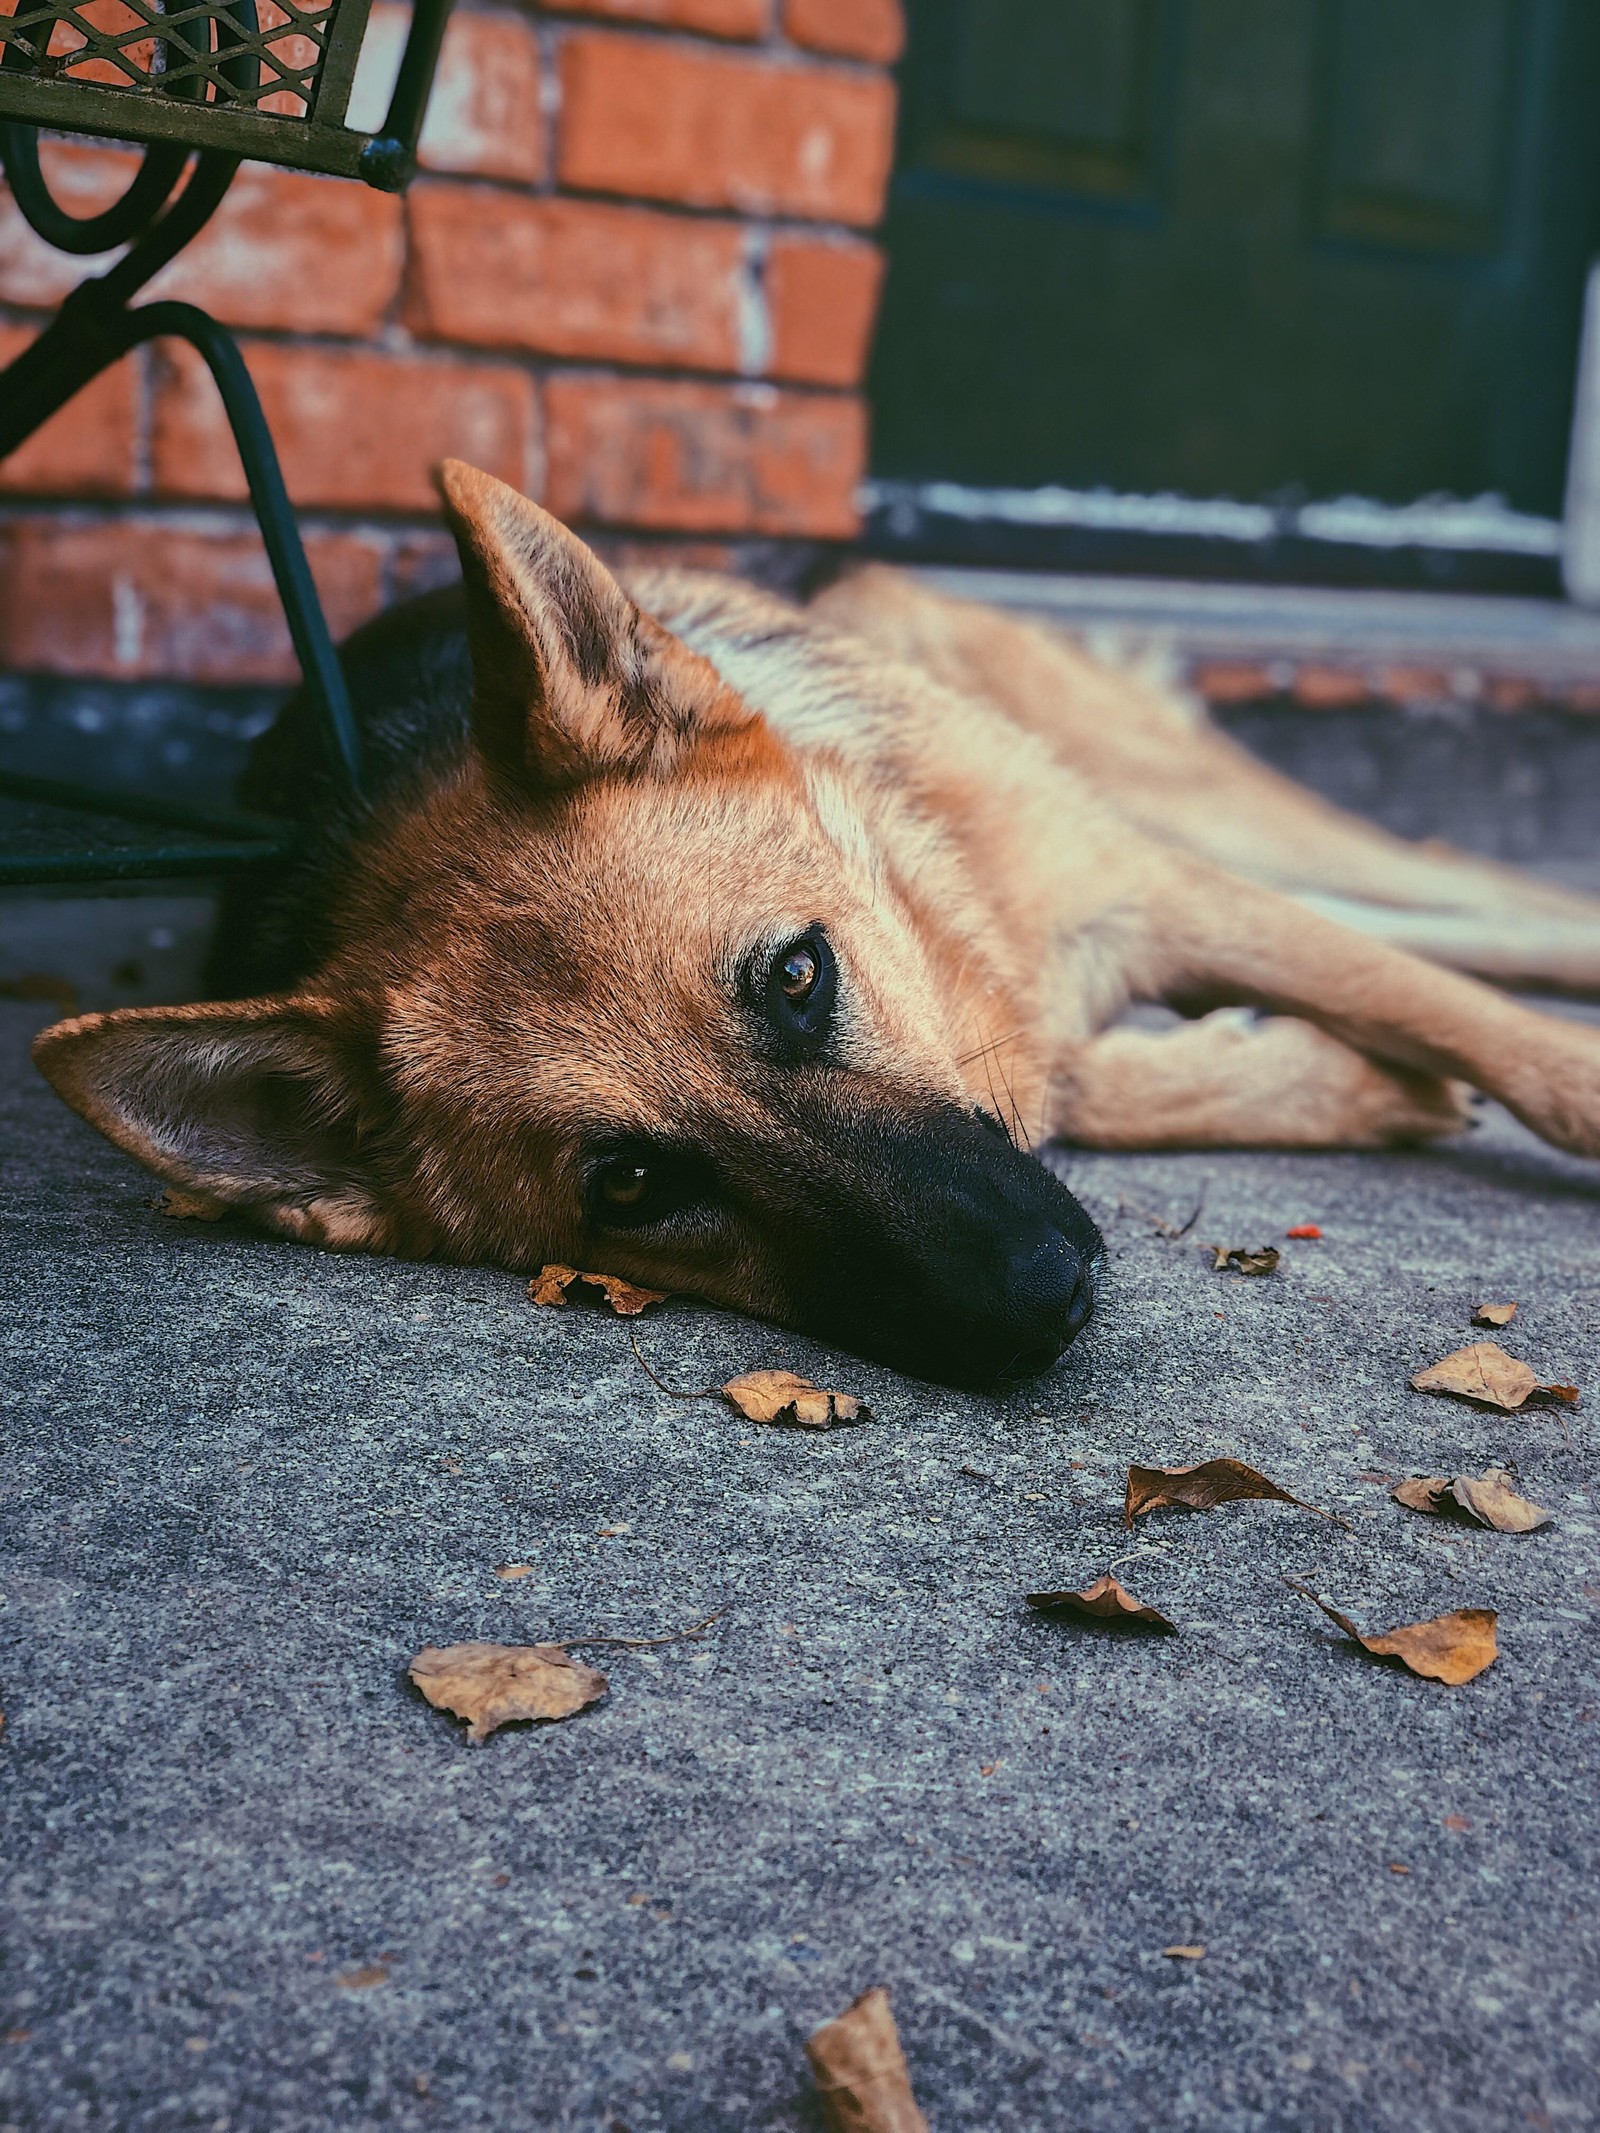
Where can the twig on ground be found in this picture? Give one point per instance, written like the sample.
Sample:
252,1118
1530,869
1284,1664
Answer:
639,1644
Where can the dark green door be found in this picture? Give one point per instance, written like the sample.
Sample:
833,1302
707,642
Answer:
1249,248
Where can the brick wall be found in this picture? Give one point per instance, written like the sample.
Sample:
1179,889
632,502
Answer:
634,278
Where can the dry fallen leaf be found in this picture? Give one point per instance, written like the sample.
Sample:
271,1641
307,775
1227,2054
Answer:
861,2071
510,1571
1188,1951
1240,1259
1486,1374
1202,1488
184,1206
364,1975
1494,1314
779,1396
1451,1648
1104,1601
489,1685
551,1283
1485,1499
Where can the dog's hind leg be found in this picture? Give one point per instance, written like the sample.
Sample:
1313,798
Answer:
1205,939
1231,1080
1161,762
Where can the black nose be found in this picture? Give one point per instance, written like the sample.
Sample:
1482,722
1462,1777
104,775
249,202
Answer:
1044,1303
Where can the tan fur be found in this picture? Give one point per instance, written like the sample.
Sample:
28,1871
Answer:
1006,842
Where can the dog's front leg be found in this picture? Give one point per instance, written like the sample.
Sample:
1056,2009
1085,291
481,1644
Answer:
1212,939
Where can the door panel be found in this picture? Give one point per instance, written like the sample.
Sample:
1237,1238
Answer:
1241,247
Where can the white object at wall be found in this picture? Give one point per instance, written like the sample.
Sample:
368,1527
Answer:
1580,526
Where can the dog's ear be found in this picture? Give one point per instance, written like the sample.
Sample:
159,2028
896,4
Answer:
570,678
267,1105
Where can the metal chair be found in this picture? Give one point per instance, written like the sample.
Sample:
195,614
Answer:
218,81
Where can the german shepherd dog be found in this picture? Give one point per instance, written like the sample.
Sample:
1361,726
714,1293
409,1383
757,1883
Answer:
744,949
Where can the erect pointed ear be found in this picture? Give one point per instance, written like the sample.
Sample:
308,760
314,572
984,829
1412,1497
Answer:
570,678
268,1105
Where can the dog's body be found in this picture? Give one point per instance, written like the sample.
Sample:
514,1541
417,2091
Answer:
708,938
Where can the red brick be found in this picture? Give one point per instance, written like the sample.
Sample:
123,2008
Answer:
86,450
859,29
1328,688
574,278
141,598
1412,684
1507,692
717,18
84,180
711,129
284,250
822,299
354,429
485,116
661,453
294,253
1223,681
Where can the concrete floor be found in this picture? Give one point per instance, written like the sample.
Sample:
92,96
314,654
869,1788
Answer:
251,1881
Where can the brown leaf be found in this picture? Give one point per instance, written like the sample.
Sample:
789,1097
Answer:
1104,1601
1485,1499
1494,1314
184,1206
1201,1488
1188,1951
1241,1259
795,1403
1451,1648
551,1283
861,2071
489,1685
511,1571
366,1974
1486,1374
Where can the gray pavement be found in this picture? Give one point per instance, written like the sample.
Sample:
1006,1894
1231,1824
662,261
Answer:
251,1881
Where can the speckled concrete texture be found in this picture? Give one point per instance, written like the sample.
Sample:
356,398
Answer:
251,1881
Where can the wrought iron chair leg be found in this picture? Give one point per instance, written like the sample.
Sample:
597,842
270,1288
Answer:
94,329
308,627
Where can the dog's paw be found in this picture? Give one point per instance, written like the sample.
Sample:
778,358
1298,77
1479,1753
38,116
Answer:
1394,1107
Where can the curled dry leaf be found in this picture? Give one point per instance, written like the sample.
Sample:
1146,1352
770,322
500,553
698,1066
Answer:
1485,1373
1202,1488
551,1283
1451,1648
1485,1499
181,1206
1106,1600
795,1403
489,1685
1494,1314
363,1977
861,2071
1240,1259
1186,1951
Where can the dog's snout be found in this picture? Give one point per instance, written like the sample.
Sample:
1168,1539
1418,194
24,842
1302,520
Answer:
963,1259
1045,1303
1045,1275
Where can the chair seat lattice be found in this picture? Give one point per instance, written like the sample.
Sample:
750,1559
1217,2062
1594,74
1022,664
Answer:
189,51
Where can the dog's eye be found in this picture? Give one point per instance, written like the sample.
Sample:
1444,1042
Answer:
641,1183
623,1184
798,974
798,995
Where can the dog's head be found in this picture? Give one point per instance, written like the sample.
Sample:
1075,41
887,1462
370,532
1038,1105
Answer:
631,989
